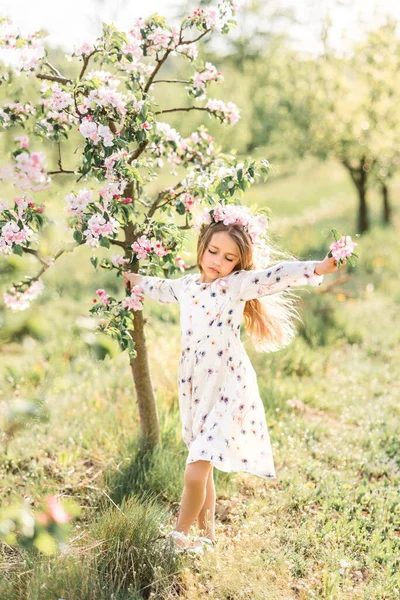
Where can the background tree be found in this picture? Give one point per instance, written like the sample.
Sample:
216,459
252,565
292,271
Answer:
343,108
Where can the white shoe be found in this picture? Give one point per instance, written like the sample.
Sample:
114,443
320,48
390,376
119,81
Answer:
202,544
178,535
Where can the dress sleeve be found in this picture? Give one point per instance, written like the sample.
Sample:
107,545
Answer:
249,285
162,290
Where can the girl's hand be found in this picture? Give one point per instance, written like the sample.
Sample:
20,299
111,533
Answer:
132,279
328,265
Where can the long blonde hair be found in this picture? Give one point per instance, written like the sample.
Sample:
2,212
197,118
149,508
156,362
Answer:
269,320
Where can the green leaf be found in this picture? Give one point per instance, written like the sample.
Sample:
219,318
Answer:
104,242
17,249
94,260
336,234
351,261
78,237
180,208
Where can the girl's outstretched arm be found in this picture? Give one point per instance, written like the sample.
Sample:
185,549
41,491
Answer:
248,285
164,291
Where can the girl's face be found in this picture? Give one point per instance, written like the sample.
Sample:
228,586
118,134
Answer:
221,254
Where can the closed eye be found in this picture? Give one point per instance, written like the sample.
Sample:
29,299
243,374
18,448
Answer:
228,259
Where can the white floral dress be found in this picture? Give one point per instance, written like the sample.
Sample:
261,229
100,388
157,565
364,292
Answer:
223,418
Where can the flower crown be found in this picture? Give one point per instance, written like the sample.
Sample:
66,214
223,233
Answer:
255,225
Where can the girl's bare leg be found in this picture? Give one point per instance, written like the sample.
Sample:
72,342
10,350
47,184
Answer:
194,494
206,517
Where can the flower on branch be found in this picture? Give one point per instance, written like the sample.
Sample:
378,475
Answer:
218,18
78,202
15,113
135,300
27,50
17,300
28,171
96,133
180,262
188,50
84,49
118,260
104,297
98,226
201,78
228,112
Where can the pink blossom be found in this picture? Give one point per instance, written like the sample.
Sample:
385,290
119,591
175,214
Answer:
21,300
189,50
11,234
28,171
58,100
104,297
135,300
111,189
181,263
107,96
159,249
84,49
160,38
189,200
105,133
97,227
118,260
23,141
170,134
88,129
142,247
229,214
342,248
227,112
55,510
78,202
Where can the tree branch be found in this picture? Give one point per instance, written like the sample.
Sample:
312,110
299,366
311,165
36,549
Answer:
157,68
118,243
36,254
63,80
171,81
138,151
52,68
161,195
185,43
60,171
86,62
170,110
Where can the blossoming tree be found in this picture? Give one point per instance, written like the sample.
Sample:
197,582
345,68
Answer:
125,143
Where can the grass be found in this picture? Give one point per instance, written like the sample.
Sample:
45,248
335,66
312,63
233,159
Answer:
327,529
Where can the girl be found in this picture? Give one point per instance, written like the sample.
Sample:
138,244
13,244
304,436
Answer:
223,419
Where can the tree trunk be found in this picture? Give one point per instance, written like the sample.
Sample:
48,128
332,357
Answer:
147,405
148,414
359,178
363,213
387,210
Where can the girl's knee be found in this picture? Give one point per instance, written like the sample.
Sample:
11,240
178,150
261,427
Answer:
196,473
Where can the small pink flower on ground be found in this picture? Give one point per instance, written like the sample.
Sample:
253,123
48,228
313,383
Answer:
55,510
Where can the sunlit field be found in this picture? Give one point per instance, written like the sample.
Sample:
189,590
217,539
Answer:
327,528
